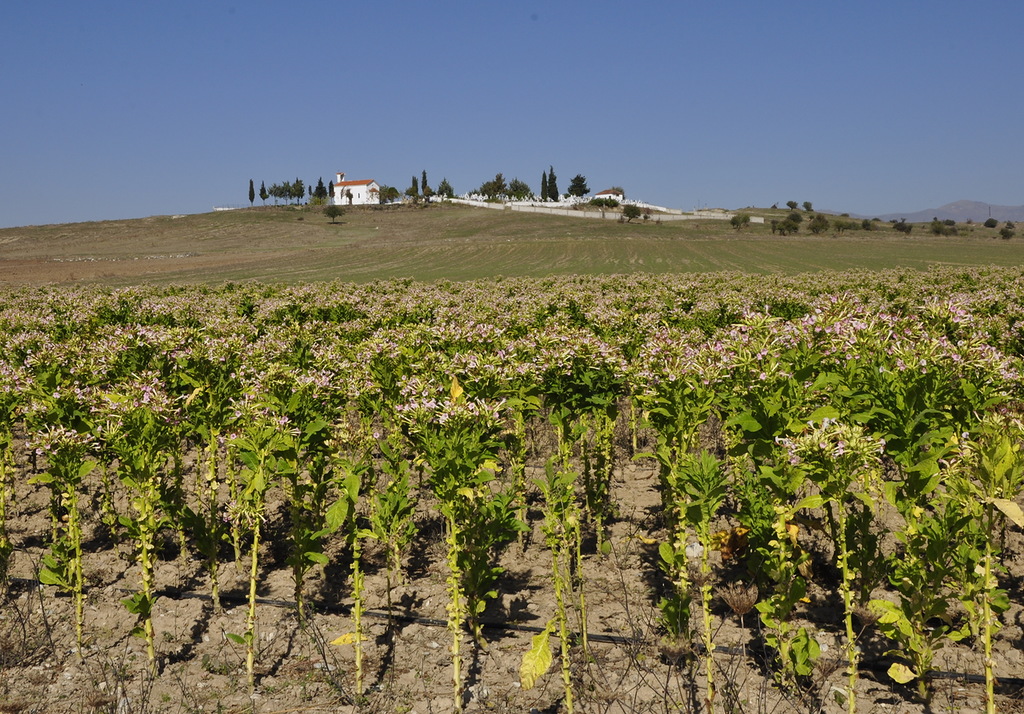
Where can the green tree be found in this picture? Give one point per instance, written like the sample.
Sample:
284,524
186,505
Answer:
445,189
519,189
1007,231
281,191
792,205
552,184
902,226
425,188
740,220
788,226
807,206
991,223
544,185
252,192
495,187
388,194
321,190
413,191
578,186
298,190
819,224
333,212
263,192
630,211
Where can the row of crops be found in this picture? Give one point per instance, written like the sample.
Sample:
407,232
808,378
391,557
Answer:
770,406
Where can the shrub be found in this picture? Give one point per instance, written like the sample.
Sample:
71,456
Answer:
991,223
902,226
1007,231
819,224
630,212
788,226
740,220
795,217
867,225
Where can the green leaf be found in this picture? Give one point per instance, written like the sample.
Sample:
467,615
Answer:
746,421
822,413
237,639
667,553
318,558
49,577
537,660
812,501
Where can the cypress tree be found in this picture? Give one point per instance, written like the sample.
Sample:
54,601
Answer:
544,186
252,192
552,184
263,192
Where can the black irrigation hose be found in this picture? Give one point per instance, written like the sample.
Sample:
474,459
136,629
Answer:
877,665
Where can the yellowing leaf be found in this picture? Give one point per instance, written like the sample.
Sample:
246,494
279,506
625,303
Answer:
901,673
349,638
793,530
456,390
537,661
647,541
467,492
1010,509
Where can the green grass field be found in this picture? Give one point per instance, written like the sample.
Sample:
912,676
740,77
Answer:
293,244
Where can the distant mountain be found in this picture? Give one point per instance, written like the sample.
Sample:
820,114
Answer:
961,212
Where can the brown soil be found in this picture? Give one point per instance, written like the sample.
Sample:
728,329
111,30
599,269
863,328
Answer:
408,666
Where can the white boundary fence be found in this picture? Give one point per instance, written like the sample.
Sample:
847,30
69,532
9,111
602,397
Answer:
659,212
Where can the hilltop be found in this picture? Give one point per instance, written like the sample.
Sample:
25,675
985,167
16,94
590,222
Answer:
443,241
961,212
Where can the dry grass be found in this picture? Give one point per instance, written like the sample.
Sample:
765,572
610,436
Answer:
292,244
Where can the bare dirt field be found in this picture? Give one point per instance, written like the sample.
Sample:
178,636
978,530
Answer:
627,669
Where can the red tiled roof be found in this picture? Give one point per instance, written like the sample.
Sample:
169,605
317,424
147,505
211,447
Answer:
363,182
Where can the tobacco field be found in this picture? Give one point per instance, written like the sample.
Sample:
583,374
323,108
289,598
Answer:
579,494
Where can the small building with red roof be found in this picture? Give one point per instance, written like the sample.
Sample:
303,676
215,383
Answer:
355,193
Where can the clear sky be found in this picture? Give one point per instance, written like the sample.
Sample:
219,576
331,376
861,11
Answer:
127,108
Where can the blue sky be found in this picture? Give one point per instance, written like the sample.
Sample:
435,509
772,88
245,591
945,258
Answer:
127,108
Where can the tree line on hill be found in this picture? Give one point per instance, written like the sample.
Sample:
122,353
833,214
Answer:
289,191
519,190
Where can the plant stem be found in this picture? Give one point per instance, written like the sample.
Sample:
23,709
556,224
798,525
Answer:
250,617
357,610
455,616
560,583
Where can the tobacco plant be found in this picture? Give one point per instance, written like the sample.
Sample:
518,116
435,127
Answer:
137,425
206,375
459,440
991,478
70,458
392,508
343,515
11,395
260,447
844,464
561,533
701,486
785,565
